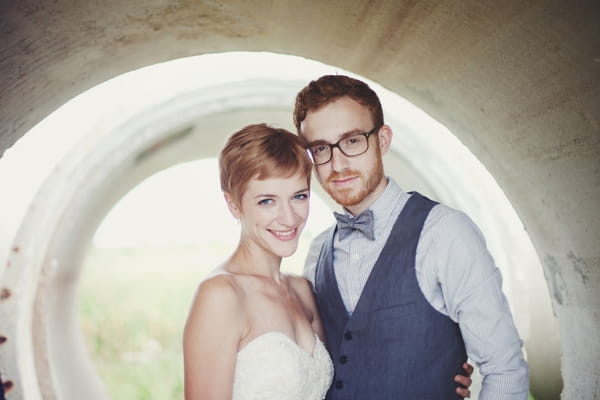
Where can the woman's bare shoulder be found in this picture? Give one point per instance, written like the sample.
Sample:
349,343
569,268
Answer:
218,292
217,304
218,287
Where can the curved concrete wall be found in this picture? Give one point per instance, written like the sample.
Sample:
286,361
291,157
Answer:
517,83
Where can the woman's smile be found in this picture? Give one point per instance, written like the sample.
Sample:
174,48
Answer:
284,235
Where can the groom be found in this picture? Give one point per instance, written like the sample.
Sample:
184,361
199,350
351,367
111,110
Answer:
405,286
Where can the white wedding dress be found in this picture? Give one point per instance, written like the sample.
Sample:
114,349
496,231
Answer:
274,367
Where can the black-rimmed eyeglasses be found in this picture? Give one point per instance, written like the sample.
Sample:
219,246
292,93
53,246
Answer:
351,146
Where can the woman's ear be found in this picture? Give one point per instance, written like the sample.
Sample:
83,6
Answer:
232,205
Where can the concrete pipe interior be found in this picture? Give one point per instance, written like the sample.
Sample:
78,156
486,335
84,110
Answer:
515,83
112,157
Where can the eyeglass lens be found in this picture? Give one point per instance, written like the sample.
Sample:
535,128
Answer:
349,146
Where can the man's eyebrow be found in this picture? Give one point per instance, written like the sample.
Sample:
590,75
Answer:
351,133
340,137
320,141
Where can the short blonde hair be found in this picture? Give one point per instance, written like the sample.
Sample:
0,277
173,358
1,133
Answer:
260,151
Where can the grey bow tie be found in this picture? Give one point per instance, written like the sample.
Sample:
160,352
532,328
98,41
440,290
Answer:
363,222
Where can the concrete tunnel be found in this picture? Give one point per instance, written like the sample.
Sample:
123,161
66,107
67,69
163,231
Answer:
516,83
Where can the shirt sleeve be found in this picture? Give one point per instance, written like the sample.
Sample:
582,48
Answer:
471,286
310,265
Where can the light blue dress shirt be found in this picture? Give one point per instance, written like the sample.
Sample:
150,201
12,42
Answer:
457,276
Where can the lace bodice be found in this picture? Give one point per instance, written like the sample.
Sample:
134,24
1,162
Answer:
274,367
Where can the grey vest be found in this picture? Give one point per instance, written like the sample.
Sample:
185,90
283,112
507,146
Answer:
395,345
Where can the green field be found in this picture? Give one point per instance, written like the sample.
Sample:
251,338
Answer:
133,305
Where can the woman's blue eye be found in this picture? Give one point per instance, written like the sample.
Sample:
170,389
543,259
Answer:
265,202
301,196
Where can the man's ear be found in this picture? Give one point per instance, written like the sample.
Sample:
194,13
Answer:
385,138
234,209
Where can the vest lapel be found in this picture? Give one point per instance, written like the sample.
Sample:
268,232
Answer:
380,270
384,263
326,286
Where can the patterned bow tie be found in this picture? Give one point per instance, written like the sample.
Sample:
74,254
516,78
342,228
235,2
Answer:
364,223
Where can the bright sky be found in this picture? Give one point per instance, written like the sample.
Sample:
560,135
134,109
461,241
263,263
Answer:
182,204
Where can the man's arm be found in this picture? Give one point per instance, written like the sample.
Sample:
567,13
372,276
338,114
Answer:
472,292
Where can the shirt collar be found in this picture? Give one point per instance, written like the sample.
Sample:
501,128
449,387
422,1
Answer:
384,205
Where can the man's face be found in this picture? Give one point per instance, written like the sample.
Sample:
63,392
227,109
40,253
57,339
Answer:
353,182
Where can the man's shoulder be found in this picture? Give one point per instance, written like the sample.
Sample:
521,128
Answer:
444,224
314,251
318,241
445,215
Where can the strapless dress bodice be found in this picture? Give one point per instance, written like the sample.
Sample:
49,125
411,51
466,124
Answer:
274,367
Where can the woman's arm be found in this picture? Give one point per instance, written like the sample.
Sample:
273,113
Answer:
211,339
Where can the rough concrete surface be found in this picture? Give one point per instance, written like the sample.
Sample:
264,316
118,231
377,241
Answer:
516,81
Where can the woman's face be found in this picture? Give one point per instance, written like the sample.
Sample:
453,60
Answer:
273,213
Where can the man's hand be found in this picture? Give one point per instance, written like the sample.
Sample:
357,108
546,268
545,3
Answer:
464,381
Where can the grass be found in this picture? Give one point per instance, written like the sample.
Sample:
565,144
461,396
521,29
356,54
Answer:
133,305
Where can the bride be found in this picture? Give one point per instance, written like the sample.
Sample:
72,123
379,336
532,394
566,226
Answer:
253,332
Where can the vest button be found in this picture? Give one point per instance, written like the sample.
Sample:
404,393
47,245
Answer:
339,384
348,335
343,359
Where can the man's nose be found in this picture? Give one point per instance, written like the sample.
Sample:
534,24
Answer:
338,161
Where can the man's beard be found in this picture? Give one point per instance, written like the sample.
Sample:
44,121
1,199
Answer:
351,197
